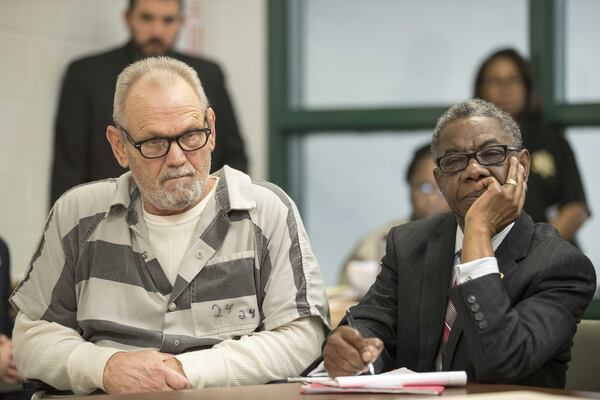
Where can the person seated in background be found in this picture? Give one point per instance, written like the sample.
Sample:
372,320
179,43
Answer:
482,289
81,154
8,369
426,200
168,277
555,191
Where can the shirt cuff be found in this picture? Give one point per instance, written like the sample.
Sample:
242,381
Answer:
476,269
205,368
86,367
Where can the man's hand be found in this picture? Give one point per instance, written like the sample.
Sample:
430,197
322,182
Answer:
142,371
347,352
497,207
175,364
8,369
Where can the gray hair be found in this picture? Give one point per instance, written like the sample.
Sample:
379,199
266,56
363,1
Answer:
476,108
161,71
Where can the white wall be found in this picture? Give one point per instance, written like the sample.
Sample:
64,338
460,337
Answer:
401,53
235,34
38,38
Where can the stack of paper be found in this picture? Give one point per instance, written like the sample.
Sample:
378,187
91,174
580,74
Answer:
318,388
412,383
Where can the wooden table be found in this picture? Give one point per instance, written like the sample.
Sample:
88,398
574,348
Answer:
291,391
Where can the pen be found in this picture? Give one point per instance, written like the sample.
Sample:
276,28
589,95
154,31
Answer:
352,323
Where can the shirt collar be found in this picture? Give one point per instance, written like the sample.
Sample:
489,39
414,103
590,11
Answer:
125,193
234,190
496,240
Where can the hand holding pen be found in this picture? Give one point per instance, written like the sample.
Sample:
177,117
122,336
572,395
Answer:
347,352
353,325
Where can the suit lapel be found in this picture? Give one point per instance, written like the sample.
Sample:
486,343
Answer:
439,259
516,244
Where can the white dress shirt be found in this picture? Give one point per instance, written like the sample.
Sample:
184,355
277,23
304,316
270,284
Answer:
480,267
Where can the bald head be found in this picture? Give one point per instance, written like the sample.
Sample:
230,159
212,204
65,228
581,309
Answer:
154,72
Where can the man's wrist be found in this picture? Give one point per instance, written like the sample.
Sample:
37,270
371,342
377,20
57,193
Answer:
205,368
86,367
113,358
478,228
477,243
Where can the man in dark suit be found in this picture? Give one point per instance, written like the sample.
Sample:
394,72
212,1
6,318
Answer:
81,151
482,289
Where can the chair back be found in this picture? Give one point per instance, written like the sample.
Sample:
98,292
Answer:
585,357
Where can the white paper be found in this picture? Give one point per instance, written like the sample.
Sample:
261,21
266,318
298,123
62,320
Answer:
449,378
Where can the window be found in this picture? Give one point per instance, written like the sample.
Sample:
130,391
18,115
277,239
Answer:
348,78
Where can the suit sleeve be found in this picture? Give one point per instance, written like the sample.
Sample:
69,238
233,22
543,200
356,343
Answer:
376,313
71,130
507,341
230,145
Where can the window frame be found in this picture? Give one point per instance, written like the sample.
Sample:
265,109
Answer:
546,39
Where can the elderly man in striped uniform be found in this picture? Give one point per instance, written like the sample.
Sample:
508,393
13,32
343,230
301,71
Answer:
168,277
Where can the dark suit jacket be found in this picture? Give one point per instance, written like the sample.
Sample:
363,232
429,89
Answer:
6,323
517,329
82,152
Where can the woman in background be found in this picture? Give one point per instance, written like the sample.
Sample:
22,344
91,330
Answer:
554,191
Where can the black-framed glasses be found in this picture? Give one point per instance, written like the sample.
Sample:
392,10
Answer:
488,156
158,147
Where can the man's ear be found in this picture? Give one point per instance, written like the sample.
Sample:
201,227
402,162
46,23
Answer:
525,161
211,118
117,143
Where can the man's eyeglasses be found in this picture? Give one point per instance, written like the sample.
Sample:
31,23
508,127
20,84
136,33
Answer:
159,146
488,156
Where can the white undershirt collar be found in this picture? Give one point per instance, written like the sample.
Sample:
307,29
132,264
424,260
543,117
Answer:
496,240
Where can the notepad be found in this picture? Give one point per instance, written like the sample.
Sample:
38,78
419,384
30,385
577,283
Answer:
318,388
394,382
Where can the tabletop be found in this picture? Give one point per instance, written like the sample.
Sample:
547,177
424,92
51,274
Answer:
291,391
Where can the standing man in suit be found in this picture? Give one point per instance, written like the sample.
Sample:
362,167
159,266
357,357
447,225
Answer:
482,289
81,153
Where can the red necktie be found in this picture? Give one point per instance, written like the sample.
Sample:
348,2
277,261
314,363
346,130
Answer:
449,321
450,316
